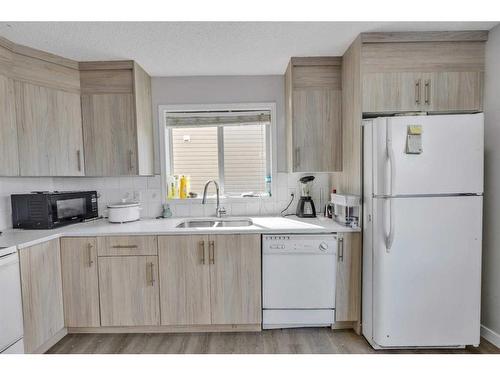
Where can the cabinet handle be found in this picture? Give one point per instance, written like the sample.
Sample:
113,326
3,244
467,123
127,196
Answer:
89,253
341,249
124,246
201,245
151,270
428,91
211,250
417,91
79,160
130,156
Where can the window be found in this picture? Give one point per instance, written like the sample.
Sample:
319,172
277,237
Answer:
230,147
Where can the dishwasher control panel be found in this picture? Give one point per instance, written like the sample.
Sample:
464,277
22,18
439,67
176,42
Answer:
297,244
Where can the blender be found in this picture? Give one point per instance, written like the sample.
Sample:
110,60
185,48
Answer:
305,207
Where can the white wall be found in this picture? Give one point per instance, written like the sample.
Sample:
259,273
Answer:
223,89
491,247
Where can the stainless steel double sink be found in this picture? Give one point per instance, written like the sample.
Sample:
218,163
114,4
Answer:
216,223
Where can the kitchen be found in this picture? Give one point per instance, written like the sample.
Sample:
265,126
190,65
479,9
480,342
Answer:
146,204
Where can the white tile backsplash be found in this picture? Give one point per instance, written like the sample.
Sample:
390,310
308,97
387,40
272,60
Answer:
148,191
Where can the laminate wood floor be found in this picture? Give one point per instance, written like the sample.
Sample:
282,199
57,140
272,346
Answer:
286,341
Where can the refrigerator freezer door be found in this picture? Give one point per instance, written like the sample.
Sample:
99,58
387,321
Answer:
451,161
426,288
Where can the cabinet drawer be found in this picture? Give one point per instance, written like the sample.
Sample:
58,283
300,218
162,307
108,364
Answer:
127,245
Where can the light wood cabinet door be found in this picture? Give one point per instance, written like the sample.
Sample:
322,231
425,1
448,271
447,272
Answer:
348,285
109,132
235,276
184,280
129,294
317,130
49,128
313,109
453,91
392,92
9,159
80,282
42,294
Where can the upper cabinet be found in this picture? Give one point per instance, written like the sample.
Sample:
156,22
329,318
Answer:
313,96
431,72
49,128
41,126
40,114
56,114
117,119
9,165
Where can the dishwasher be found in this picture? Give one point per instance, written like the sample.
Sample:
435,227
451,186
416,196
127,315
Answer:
11,314
298,280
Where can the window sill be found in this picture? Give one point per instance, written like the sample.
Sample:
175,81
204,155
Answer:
213,199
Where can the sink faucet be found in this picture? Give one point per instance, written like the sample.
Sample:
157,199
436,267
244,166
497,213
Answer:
219,211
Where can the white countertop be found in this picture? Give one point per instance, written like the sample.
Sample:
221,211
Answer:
292,224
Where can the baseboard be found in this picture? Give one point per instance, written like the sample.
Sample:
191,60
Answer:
170,329
343,325
51,342
490,335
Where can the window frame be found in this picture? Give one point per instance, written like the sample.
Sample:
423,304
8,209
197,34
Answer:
166,151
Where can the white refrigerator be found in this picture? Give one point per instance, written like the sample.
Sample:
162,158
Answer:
422,230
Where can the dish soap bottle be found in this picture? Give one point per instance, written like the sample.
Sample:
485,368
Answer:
167,213
183,187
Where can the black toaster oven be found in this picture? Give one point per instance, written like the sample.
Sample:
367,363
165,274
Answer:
47,210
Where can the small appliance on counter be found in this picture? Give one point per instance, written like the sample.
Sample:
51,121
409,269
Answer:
48,210
124,212
305,207
346,209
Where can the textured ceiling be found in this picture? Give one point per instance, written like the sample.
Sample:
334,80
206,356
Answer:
206,48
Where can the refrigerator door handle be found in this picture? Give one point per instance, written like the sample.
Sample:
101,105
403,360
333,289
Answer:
392,224
392,162
391,158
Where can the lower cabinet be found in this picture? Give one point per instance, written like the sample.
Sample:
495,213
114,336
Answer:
80,282
42,295
129,294
210,279
185,280
235,279
348,286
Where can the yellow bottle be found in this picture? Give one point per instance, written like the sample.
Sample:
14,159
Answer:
171,187
183,187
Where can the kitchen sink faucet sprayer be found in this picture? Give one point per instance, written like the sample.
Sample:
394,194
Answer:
219,211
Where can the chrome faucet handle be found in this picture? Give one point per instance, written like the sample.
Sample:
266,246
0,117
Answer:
221,211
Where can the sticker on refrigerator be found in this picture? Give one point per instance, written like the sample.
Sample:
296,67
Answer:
414,139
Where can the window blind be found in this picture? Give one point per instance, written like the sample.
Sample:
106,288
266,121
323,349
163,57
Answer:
198,157
216,118
230,147
244,159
